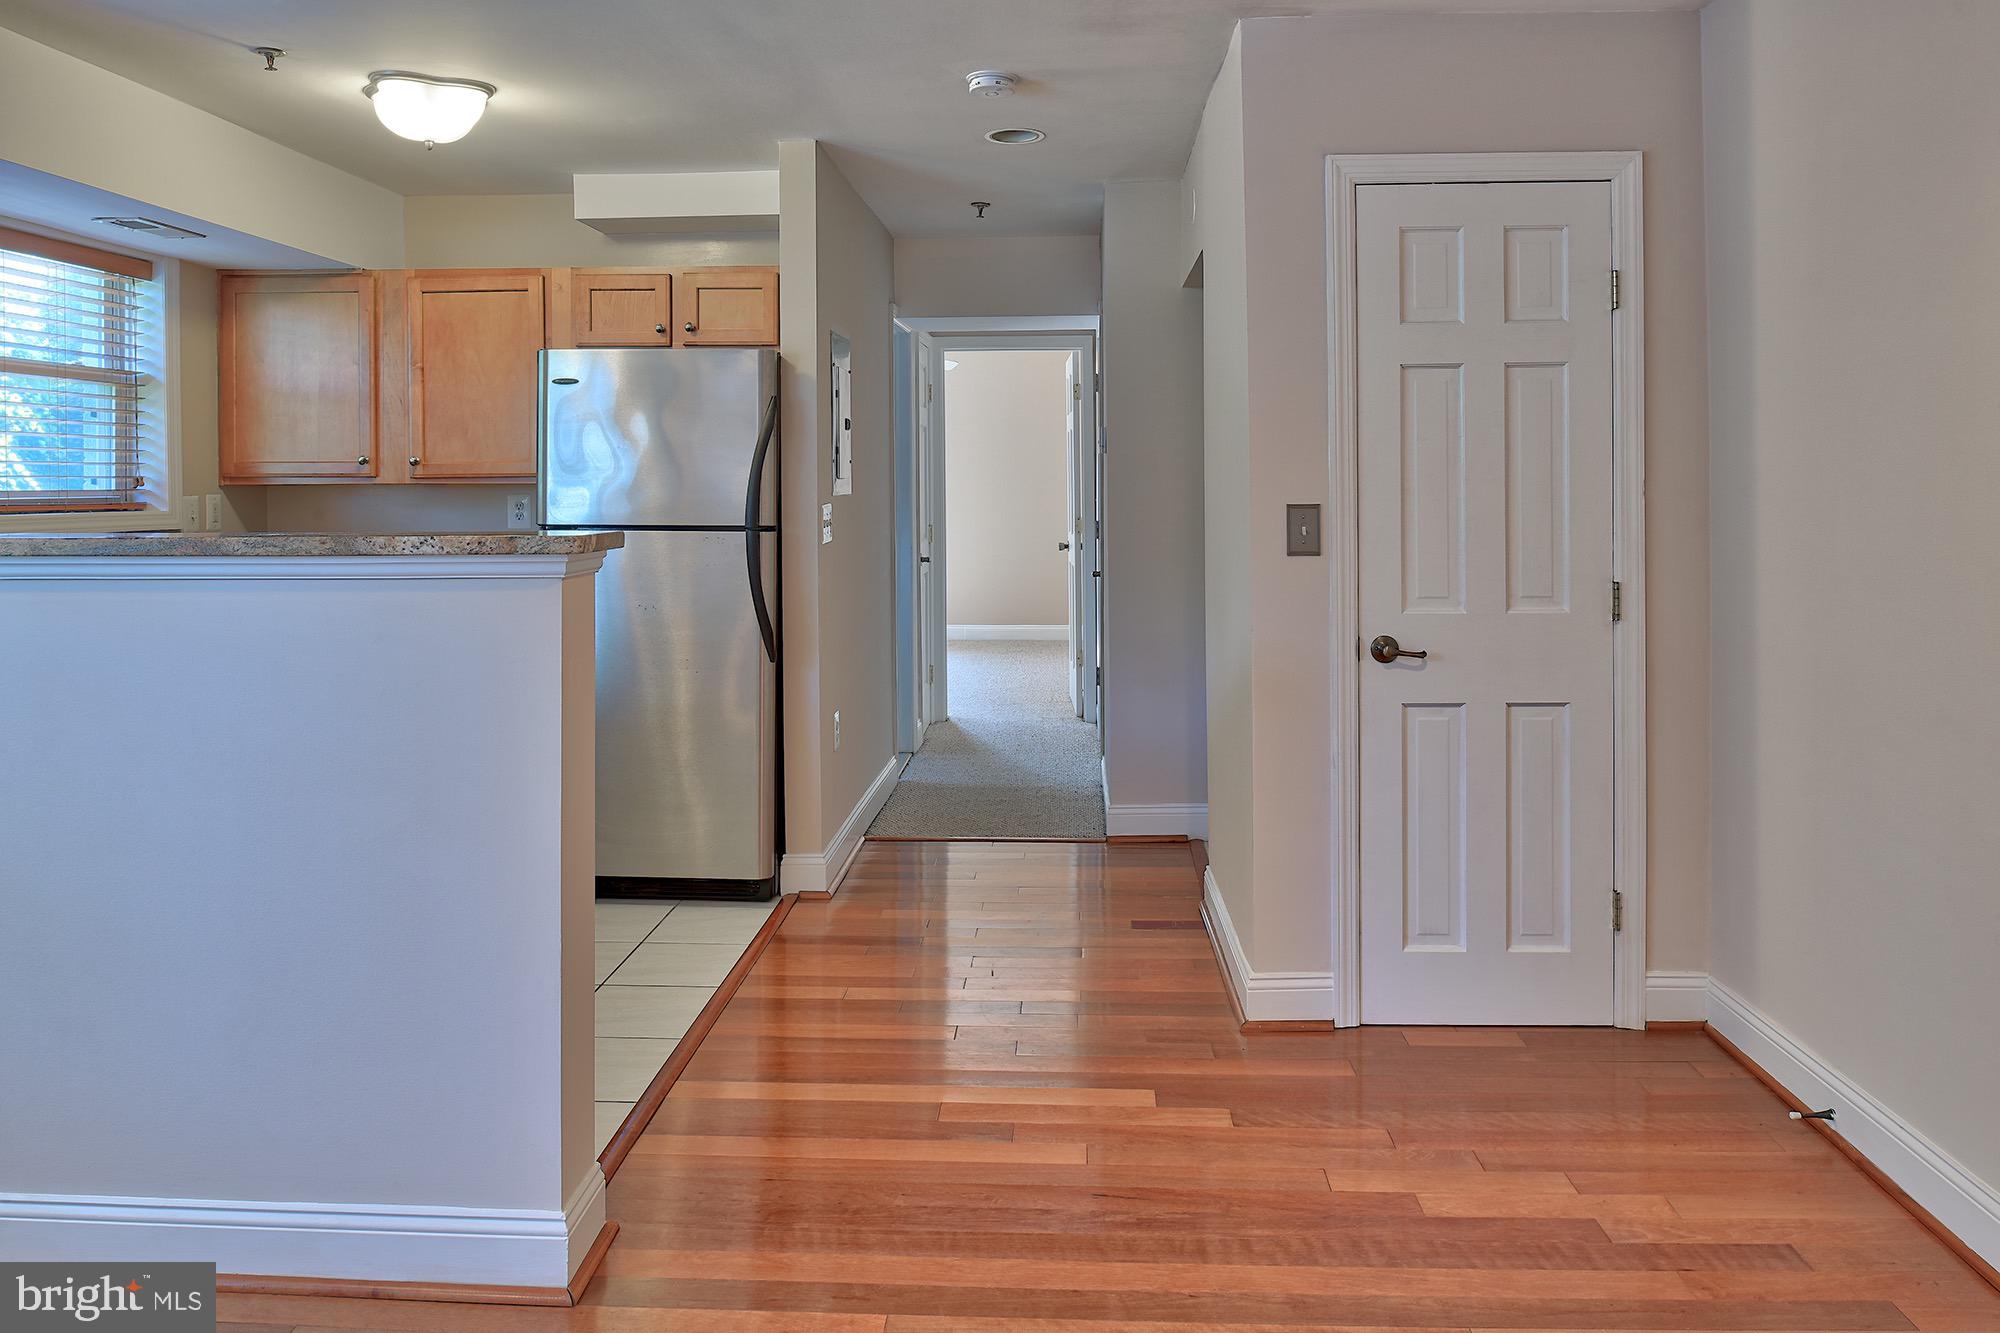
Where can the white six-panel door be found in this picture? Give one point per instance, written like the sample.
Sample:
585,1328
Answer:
1483,322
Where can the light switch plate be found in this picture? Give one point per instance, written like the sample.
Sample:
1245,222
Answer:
1302,529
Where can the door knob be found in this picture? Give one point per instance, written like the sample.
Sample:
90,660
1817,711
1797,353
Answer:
1062,546
923,560
1386,649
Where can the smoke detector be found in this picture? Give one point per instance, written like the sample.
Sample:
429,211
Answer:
990,83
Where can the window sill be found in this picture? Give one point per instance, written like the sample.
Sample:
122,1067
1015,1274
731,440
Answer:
100,520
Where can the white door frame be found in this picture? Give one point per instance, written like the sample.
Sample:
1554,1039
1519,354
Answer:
1344,172
932,345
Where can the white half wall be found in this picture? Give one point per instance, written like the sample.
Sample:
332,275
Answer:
299,898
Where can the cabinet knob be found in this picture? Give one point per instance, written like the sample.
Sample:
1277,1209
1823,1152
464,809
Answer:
659,328
415,460
361,461
688,327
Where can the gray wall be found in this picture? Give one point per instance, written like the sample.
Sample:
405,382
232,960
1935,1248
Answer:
1854,296
1416,83
1155,727
838,614
1011,276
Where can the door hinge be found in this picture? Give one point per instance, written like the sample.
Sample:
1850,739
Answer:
927,391
1614,289
1617,601
930,674
1076,391
1079,657
1617,911
1100,677
1100,527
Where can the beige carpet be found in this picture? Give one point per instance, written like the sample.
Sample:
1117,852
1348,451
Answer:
1012,761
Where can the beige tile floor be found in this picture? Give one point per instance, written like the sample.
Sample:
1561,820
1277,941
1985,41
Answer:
657,965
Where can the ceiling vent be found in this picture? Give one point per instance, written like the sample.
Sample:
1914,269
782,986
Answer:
990,83
154,227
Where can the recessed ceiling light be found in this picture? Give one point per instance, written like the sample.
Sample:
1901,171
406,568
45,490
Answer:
990,83
427,108
1015,136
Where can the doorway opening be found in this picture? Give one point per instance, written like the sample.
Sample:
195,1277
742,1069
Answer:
998,636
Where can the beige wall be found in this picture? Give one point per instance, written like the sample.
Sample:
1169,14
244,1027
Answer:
1414,83
836,260
1854,298
541,231
1006,481
64,116
1155,718
1007,276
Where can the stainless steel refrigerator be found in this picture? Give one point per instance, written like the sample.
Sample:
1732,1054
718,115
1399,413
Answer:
677,449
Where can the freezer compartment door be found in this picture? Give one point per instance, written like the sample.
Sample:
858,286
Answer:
687,738
651,437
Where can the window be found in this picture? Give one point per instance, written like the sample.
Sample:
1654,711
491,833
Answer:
79,353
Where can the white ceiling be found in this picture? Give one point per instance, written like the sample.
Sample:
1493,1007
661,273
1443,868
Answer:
671,85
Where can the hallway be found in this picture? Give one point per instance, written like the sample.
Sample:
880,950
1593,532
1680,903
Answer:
994,1084
1012,761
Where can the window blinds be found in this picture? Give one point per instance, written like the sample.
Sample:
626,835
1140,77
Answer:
72,366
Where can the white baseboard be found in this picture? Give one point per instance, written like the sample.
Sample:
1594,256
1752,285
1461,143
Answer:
1964,1204
1006,631
381,1243
820,872
1264,997
1676,997
1156,821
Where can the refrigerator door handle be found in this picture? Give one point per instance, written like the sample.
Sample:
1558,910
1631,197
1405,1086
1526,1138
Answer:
753,540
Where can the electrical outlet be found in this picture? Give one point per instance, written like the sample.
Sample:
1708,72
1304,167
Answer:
825,534
191,515
825,524
214,520
836,728
520,511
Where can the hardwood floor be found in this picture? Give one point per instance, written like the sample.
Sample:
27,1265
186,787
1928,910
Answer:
999,1087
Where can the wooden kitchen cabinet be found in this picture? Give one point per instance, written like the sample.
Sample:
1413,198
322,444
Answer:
297,359
474,337
611,307
726,307
395,376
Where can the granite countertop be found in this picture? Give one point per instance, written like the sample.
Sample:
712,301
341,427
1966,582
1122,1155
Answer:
167,544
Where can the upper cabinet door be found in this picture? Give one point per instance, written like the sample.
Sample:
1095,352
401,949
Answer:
297,362
474,338
726,307
611,309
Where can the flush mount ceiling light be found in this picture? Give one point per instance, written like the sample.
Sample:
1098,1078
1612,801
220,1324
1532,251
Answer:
426,108
990,83
1015,136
